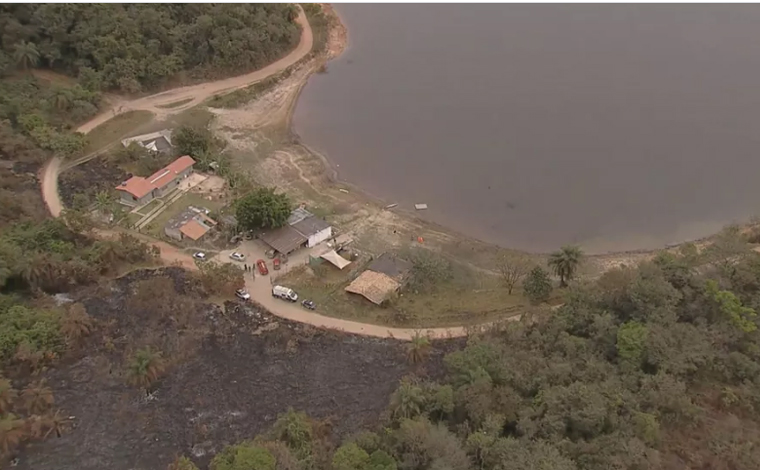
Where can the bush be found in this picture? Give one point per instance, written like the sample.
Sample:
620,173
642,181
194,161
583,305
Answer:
38,330
245,456
537,286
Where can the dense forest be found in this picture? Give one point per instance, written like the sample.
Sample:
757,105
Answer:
649,367
132,47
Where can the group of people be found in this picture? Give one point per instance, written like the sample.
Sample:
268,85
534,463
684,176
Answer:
250,269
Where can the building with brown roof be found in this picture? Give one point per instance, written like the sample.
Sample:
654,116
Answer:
192,223
137,191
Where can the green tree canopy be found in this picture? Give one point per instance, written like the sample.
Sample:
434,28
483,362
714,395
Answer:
245,456
537,286
263,208
350,457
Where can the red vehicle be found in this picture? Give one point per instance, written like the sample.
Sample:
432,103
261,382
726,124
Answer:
276,263
262,267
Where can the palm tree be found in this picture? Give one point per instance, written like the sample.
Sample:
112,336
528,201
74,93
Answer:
564,263
62,99
418,349
55,422
103,201
407,400
37,397
7,395
76,323
35,426
146,366
39,271
12,432
26,54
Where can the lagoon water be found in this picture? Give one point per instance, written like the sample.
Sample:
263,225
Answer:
612,126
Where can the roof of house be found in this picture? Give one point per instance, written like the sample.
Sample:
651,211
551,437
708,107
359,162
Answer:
391,265
310,226
298,214
284,239
160,144
374,286
139,186
194,229
167,174
161,138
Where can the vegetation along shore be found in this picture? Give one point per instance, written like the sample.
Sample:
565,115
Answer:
138,327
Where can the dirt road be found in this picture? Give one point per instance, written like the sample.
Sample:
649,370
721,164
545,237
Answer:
201,92
260,289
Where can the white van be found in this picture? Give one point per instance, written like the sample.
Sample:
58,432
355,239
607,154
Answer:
284,293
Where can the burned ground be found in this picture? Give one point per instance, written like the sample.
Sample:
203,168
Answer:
88,179
232,371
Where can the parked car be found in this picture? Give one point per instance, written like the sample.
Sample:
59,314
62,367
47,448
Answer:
309,304
242,294
237,256
200,256
276,264
284,293
262,265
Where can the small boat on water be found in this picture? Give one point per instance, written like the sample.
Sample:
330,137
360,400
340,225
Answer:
390,206
420,207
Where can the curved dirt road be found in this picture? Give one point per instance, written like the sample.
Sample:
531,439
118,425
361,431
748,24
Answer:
195,93
260,290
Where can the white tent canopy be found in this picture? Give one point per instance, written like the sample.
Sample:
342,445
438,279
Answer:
336,259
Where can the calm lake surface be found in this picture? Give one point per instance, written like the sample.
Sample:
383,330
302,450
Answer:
616,127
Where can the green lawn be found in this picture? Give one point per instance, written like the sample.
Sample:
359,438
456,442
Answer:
467,299
116,129
156,226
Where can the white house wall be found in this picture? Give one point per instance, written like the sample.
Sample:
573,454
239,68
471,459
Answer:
319,237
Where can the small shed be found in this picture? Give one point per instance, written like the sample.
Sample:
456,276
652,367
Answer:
375,287
191,223
314,229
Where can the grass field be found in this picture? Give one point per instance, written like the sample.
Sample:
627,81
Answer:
467,298
156,226
116,129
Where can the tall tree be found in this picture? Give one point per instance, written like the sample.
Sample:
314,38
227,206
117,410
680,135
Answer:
407,401
146,366
37,397
263,208
26,54
418,348
565,262
513,268
104,201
